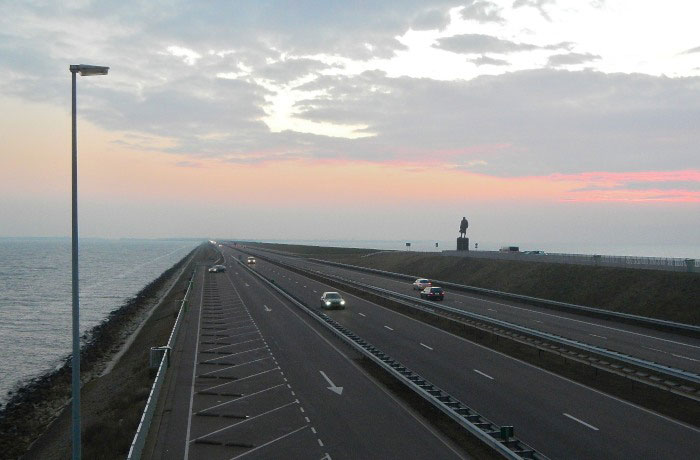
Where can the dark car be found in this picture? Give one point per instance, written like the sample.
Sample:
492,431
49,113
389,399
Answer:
217,269
332,300
432,293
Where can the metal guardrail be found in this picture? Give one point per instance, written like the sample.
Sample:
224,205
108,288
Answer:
144,425
642,320
484,430
598,260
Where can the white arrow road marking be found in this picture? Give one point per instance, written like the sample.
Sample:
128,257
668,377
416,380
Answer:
267,308
332,387
580,421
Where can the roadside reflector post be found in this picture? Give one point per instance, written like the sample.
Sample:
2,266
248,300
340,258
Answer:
157,355
690,265
507,432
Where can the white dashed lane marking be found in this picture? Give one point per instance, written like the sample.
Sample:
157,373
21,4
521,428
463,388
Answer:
580,421
481,373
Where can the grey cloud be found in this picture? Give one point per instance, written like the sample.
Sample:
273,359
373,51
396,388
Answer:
290,69
692,50
479,43
537,4
559,60
431,19
485,60
482,11
521,123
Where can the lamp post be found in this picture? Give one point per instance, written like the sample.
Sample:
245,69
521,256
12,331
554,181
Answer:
84,70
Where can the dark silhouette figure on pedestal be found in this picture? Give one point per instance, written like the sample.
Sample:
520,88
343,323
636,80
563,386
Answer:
463,227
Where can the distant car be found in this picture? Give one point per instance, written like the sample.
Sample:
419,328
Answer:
541,253
433,293
332,300
217,269
250,260
421,283
510,249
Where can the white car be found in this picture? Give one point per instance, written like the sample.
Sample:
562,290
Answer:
421,283
217,269
250,260
332,300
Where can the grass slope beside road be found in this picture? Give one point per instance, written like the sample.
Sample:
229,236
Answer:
673,296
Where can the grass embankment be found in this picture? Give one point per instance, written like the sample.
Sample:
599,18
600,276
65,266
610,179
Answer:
111,405
673,296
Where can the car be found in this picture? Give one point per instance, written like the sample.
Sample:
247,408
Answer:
433,293
421,283
250,260
539,253
217,268
332,300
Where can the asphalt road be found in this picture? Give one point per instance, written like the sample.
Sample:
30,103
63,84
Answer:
251,378
666,348
558,417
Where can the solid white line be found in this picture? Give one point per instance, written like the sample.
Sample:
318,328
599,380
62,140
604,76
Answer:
234,344
194,372
241,398
244,421
580,421
234,354
362,314
429,348
239,364
242,378
268,443
388,328
485,375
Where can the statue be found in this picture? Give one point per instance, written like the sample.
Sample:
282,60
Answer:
463,227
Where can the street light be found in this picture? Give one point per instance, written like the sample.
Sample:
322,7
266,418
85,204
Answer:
85,71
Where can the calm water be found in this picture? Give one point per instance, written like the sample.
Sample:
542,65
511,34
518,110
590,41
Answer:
35,294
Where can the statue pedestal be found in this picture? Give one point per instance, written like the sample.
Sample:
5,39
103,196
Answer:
462,244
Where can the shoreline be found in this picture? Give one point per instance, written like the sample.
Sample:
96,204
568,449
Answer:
35,404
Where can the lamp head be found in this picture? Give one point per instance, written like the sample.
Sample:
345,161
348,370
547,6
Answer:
88,70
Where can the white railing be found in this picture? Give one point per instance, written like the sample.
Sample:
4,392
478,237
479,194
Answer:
142,431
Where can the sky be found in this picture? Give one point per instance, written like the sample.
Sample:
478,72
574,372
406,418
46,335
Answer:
558,125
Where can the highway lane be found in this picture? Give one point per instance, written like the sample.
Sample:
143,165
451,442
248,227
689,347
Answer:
561,418
251,380
663,347
363,421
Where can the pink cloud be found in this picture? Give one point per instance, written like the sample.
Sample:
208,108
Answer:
644,186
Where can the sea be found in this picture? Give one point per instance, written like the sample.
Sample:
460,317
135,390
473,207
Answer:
35,294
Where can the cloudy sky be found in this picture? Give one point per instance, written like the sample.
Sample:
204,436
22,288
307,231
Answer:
566,125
